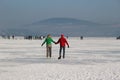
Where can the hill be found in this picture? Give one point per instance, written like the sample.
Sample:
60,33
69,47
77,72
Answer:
63,21
67,26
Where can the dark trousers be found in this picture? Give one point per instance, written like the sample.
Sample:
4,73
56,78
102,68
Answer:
48,51
62,48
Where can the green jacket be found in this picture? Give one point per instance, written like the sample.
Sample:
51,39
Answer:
48,41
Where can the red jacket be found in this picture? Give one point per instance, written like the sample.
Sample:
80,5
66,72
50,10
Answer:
62,41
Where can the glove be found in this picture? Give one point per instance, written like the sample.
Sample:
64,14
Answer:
42,45
68,46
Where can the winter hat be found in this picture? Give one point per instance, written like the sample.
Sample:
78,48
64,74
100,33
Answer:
62,35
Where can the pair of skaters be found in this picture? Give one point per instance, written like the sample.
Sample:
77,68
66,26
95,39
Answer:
62,41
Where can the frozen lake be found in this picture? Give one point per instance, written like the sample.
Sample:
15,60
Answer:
87,59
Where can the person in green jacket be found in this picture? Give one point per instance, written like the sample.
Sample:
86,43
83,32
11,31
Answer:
48,42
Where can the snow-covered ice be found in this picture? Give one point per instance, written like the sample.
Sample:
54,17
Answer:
87,59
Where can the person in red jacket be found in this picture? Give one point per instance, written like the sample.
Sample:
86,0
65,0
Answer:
62,40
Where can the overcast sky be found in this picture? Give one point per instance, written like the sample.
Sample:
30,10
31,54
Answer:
19,12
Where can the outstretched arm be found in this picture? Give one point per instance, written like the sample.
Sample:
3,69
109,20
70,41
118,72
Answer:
57,41
53,41
43,42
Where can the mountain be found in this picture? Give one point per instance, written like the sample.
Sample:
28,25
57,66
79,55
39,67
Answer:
67,26
63,21
73,27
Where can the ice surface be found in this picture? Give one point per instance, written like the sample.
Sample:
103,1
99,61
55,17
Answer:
87,59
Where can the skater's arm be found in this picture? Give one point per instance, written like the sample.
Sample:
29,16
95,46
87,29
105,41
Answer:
43,42
53,41
66,43
57,41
